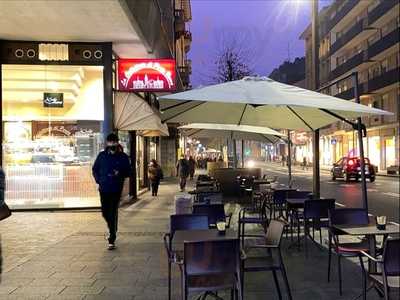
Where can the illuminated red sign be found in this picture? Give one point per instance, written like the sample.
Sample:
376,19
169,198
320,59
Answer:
146,75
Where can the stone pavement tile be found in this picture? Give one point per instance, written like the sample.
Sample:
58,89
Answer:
130,292
117,281
46,282
9,281
33,275
37,291
99,268
6,289
25,297
82,290
77,282
66,297
69,275
131,275
109,297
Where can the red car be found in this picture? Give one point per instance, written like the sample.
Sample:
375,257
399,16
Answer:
349,167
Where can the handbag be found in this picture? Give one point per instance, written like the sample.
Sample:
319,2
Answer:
5,212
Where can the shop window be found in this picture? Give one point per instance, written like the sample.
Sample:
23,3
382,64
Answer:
51,118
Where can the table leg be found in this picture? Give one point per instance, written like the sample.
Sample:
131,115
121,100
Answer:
372,252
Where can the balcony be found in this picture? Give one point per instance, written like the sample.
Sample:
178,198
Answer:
353,62
383,80
184,73
179,22
348,36
381,10
188,40
342,13
188,64
373,84
384,43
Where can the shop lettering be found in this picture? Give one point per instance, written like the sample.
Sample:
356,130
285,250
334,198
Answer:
146,75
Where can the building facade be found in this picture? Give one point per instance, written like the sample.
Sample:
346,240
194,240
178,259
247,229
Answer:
360,36
57,93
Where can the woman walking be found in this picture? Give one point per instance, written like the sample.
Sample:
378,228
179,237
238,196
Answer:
155,175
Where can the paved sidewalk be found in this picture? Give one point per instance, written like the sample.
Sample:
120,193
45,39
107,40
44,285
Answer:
62,255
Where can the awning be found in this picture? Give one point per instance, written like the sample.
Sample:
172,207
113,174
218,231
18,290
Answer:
133,113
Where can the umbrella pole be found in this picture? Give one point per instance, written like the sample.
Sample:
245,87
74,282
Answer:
234,154
360,145
242,153
289,161
316,170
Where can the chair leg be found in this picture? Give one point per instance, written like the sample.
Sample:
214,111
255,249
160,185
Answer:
169,280
320,235
306,233
286,281
277,284
385,288
232,294
364,279
329,258
340,274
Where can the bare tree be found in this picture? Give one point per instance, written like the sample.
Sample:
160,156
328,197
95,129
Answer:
233,58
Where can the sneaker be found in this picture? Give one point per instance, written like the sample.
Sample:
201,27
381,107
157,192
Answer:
111,246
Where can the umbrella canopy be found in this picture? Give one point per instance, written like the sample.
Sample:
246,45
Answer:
260,101
237,132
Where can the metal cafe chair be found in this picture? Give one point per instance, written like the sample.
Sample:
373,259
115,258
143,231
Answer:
181,222
346,216
315,215
389,278
215,213
294,213
272,261
249,215
210,266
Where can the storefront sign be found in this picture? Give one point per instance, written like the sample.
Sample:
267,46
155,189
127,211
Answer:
146,75
53,100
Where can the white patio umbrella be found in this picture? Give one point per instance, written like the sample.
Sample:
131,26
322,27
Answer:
261,101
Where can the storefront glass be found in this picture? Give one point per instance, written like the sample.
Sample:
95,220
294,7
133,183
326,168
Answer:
140,162
390,152
51,118
374,150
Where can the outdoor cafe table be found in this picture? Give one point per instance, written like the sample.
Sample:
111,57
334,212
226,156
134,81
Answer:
182,236
370,231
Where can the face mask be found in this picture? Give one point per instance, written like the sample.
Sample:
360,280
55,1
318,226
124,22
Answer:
112,148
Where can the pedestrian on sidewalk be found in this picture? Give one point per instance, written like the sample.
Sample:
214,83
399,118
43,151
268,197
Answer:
155,175
305,163
110,169
182,169
192,167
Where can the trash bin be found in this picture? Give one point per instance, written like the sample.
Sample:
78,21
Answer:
183,204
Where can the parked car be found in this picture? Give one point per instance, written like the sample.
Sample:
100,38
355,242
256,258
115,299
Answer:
349,167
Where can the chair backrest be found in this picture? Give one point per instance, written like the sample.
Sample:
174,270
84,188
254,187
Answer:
188,221
211,257
318,208
274,233
215,212
210,197
279,196
299,195
351,216
391,257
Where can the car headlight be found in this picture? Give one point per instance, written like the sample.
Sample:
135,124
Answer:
250,164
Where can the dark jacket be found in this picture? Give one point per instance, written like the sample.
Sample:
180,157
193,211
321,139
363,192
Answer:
110,170
182,167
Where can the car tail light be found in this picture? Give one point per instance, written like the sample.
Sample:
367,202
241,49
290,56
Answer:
350,163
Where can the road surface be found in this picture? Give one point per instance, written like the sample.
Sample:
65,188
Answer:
383,194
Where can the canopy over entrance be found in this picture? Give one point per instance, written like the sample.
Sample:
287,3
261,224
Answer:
134,113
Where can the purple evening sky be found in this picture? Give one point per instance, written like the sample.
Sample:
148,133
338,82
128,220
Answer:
269,28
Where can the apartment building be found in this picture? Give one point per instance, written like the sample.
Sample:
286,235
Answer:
360,36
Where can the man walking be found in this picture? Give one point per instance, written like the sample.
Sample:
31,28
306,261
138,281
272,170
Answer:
182,169
110,169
